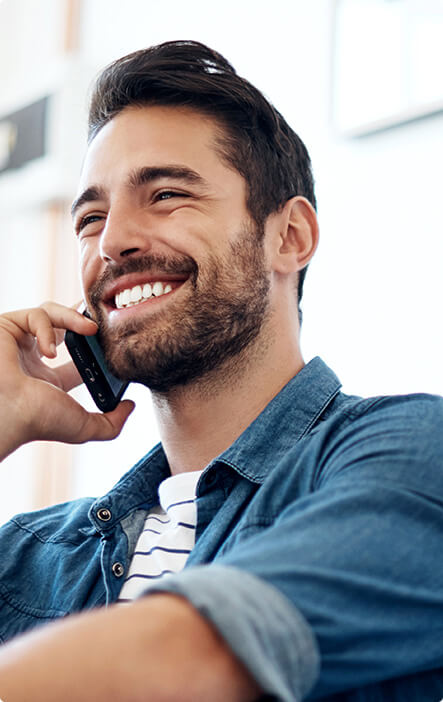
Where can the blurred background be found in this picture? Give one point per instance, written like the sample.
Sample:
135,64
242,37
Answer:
359,80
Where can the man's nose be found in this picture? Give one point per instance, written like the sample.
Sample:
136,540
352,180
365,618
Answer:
124,234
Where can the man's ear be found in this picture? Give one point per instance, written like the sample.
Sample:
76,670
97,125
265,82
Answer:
297,237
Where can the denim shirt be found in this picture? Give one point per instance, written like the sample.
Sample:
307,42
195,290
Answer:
318,555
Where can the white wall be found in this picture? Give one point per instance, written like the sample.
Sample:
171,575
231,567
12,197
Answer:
373,293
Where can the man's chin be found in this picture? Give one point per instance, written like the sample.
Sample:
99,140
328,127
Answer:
158,380
139,359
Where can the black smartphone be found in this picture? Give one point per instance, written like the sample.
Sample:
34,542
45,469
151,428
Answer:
105,389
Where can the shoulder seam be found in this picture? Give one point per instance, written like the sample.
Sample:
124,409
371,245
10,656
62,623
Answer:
40,538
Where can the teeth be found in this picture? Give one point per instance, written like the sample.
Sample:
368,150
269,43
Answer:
125,297
132,296
136,294
157,289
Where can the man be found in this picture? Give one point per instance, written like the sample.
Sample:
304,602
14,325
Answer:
314,545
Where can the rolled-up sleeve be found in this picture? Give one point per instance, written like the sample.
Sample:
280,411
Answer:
262,628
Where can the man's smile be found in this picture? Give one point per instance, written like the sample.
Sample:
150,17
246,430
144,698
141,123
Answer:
139,297
135,288
137,294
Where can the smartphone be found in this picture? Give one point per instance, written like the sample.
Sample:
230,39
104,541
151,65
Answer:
105,389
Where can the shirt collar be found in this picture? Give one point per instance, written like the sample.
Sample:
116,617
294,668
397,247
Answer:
284,421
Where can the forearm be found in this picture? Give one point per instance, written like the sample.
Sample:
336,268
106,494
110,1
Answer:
10,440
158,648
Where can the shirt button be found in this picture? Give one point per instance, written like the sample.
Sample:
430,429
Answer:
118,570
104,514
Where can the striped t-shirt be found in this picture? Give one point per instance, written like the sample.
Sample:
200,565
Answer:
168,535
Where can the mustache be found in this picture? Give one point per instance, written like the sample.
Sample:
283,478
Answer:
179,265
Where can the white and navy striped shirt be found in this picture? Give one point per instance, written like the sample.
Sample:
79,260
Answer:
168,535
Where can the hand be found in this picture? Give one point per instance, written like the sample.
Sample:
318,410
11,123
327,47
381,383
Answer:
34,404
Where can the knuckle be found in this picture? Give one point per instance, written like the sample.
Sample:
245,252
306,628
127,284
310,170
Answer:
36,317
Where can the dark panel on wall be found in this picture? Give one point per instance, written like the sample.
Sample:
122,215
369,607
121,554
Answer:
23,135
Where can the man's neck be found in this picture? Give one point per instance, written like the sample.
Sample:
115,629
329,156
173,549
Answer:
198,423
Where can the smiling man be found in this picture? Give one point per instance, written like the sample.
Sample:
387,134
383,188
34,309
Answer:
283,540
185,286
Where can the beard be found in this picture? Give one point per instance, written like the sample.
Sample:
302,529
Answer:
222,315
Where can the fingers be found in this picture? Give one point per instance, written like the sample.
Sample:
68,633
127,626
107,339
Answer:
40,326
31,324
69,318
44,322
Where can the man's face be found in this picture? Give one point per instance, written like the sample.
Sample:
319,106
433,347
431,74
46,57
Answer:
172,264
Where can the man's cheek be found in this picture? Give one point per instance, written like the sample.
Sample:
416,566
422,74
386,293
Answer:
89,270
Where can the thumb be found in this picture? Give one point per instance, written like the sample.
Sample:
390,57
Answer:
103,427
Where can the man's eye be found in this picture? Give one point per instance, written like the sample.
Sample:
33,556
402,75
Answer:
89,219
168,194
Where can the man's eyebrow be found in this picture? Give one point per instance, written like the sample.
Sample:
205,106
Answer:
143,176
89,195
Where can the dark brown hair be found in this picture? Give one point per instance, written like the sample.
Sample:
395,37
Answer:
255,140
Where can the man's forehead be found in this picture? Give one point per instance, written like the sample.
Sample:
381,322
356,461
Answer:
153,138
157,133
155,120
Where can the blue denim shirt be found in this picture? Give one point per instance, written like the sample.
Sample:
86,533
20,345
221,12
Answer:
318,555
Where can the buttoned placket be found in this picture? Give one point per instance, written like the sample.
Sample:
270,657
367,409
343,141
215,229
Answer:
113,556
